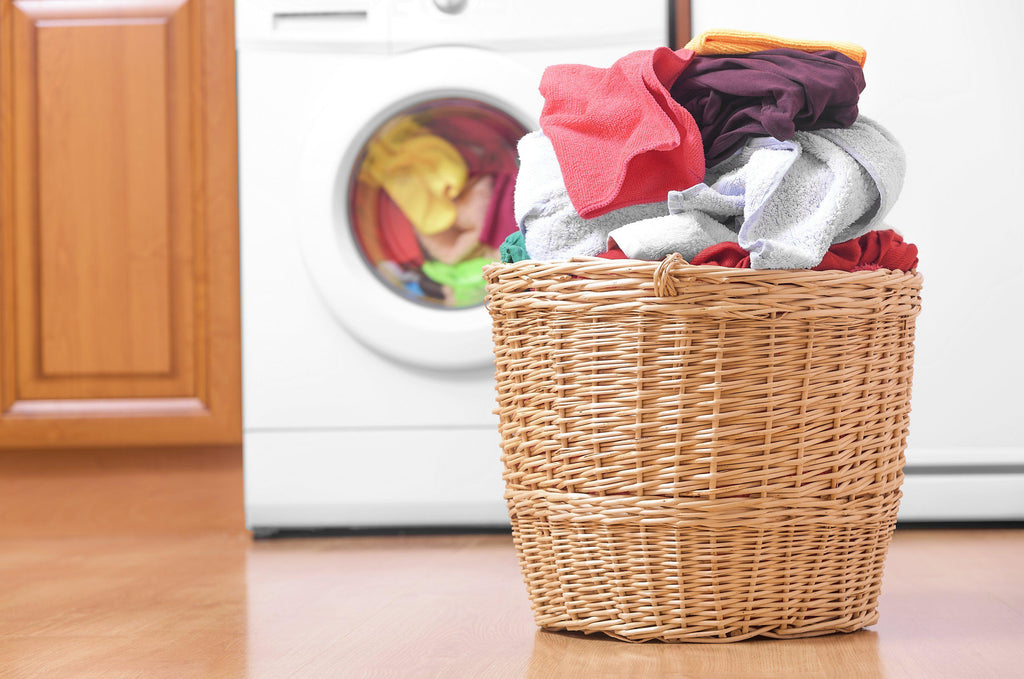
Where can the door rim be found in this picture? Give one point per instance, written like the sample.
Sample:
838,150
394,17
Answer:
400,329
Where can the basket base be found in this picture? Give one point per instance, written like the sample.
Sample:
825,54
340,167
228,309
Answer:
615,574
640,636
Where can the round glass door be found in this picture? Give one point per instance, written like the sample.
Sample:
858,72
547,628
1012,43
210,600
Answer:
430,198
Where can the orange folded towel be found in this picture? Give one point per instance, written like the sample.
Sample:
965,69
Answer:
722,41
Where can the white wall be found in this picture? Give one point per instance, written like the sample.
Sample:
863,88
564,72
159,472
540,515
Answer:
947,78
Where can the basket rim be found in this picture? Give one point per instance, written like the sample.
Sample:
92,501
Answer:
599,267
677,287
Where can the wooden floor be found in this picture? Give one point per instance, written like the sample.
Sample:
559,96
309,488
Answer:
452,607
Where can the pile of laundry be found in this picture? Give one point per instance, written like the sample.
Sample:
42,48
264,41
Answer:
741,150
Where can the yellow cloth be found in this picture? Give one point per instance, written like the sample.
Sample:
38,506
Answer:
420,171
721,41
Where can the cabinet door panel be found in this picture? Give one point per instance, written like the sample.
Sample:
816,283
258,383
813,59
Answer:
118,270
104,183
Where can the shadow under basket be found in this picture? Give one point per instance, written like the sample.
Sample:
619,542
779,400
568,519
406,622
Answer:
700,453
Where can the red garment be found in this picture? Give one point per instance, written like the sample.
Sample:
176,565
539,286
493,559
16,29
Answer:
874,250
888,250
501,219
486,143
619,136
396,234
725,253
613,253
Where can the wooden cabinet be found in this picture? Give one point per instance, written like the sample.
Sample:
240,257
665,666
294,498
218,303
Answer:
680,24
119,300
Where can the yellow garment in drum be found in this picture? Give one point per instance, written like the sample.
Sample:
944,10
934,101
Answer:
420,171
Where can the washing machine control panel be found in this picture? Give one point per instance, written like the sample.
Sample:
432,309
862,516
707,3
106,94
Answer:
396,26
526,25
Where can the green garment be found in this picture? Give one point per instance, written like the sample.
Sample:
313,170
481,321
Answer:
465,278
514,248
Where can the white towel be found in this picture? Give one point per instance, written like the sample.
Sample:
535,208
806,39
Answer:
789,201
550,224
655,239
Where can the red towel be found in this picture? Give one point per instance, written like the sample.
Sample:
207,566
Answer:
619,136
874,250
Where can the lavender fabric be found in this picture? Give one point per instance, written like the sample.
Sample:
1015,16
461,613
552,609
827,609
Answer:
789,201
772,93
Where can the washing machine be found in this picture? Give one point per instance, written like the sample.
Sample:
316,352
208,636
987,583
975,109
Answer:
377,158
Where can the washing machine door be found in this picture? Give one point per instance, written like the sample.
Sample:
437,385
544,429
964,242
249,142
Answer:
405,192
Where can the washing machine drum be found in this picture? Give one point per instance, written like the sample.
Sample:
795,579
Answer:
430,199
399,217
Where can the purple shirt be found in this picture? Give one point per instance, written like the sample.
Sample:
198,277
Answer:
771,93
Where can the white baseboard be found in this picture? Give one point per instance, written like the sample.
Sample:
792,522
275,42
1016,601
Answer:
422,478
963,484
373,478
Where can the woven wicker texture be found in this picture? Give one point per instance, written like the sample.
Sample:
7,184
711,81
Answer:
702,453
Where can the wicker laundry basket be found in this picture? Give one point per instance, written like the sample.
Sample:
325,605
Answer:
699,453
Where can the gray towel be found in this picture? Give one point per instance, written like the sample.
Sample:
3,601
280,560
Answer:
788,201
655,239
551,226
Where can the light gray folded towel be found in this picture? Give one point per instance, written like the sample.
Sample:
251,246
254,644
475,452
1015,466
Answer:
550,224
788,201
655,239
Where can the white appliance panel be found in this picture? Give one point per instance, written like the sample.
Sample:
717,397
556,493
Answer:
341,430
945,77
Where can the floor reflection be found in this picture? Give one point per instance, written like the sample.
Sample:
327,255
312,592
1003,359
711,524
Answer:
123,607
568,655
